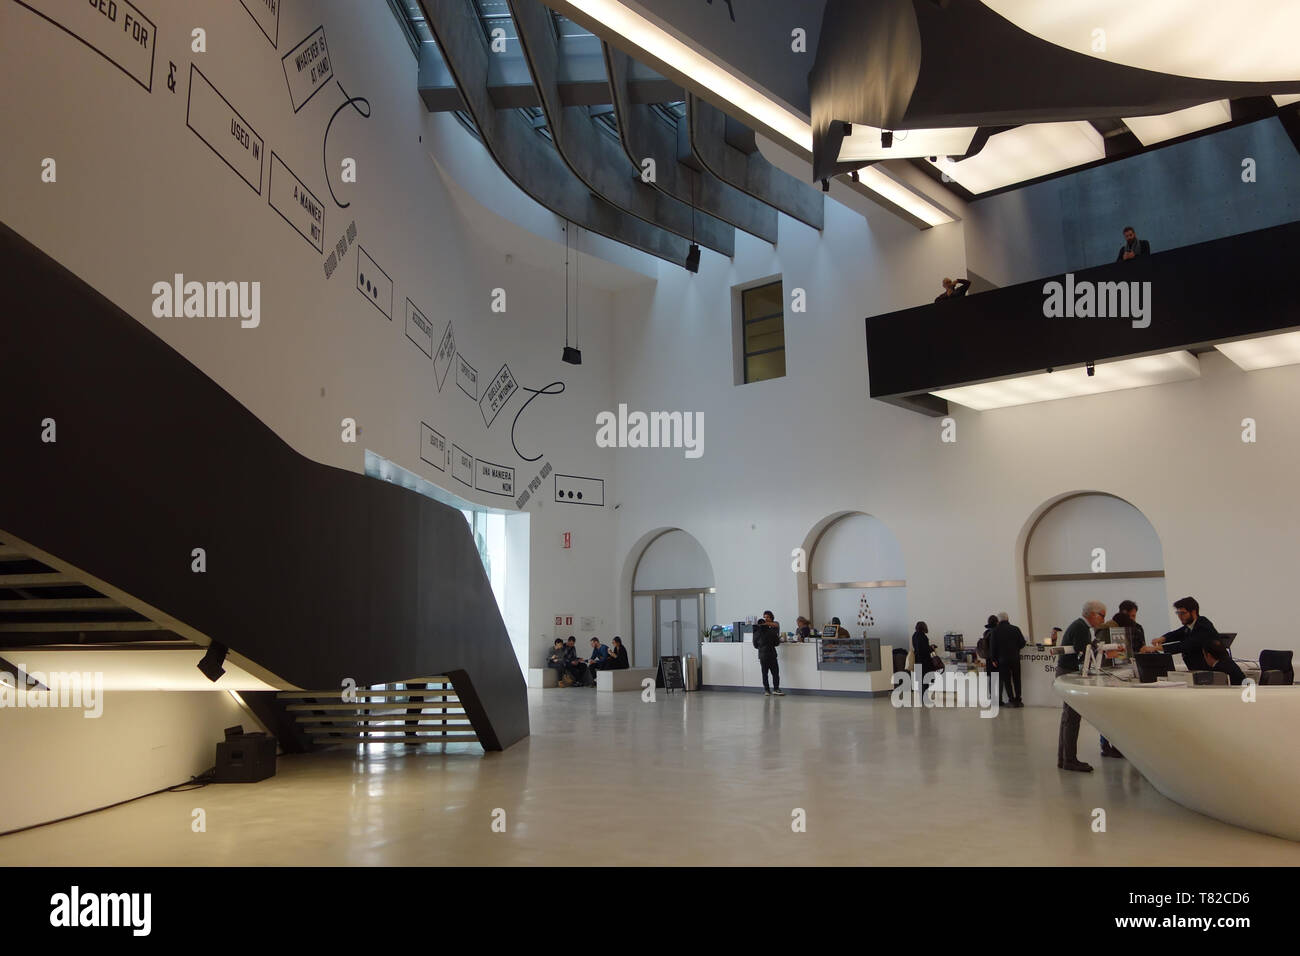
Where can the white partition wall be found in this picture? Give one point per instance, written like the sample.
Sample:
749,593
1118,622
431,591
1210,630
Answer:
858,558
1094,547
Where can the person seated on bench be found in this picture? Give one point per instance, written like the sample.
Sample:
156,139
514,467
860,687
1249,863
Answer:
1218,659
555,660
617,657
575,669
599,655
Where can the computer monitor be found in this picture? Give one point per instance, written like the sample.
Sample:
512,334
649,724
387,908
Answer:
952,642
1152,666
1228,637
831,630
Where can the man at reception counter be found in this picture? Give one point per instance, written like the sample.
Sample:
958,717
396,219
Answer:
1078,636
1190,639
1218,659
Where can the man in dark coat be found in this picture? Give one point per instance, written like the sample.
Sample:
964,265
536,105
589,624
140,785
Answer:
1077,636
1191,638
767,636
1006,642
1133,248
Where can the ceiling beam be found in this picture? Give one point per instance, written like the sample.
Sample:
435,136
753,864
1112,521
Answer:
745,168
532,163
647,136
595,158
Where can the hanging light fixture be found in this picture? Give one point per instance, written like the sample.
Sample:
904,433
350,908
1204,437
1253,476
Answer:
572,354
693,255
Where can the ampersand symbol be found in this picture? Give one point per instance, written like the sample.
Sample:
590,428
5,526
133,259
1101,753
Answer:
171,76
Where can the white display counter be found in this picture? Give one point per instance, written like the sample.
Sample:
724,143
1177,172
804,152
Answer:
1212,749
734,666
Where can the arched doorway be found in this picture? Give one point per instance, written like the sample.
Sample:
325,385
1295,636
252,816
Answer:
1091,546
856,573
673,597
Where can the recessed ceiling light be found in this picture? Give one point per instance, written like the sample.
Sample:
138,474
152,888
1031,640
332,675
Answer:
1266,351
1157,129
1245,40
1024,153
864,144
1075,382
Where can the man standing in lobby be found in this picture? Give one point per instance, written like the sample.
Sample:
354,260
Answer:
767,636
1078,636
1005,645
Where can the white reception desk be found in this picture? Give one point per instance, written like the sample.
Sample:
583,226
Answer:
734,666
1206,748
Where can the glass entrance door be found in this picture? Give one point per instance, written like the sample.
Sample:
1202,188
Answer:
678,630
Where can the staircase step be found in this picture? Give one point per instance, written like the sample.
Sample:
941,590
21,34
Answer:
9,553
399,739
379,708
49,627
390,722
376,718
62,604
338,694
39,579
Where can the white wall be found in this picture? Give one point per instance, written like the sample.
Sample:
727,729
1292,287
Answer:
780,456
60,762
674,560
140,197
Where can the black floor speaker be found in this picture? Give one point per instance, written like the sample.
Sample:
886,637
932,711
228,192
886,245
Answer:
245,758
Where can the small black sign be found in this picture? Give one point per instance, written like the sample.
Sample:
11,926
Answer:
670,676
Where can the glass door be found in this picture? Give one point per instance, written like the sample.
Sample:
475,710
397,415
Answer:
678,630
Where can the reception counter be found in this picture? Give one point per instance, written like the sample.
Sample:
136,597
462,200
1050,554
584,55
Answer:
1206,748
734,666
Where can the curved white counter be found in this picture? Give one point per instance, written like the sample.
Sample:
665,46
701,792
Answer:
1205,747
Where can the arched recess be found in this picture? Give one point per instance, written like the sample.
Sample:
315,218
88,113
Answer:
852,556
670,579
1090,545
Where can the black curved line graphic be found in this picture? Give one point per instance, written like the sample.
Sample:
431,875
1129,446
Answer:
546,390
348,101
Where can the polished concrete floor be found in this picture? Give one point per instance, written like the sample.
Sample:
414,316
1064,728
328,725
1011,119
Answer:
708,778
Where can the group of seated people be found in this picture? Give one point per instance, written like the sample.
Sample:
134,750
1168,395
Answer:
573,671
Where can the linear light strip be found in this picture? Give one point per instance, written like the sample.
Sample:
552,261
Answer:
663,46
1265,351
903,197
1075,382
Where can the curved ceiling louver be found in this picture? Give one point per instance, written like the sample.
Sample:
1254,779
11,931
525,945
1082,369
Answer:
596,159
646,134
534,165
743,167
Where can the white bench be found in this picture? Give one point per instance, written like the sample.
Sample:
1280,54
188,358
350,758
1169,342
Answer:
607,682
542,677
